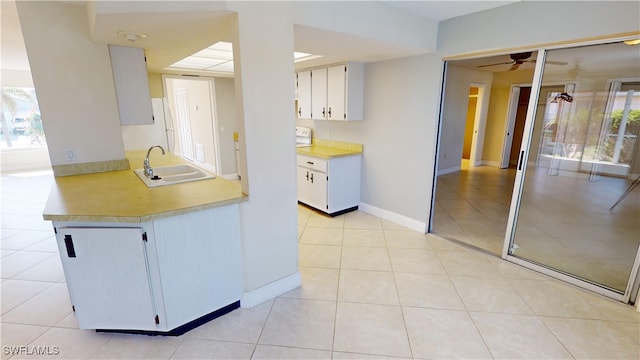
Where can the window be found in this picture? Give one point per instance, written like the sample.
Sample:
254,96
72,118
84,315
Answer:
21,123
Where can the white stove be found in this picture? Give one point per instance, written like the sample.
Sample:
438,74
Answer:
303,136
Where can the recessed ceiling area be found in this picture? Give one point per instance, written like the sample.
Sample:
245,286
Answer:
218,58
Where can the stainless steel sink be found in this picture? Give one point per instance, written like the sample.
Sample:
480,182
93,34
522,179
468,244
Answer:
173,174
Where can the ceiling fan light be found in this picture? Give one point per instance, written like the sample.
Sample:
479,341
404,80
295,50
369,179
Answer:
632,42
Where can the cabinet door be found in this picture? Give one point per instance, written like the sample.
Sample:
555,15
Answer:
107,276
319,93
312,188
336,93
132,86
319,198
304,94
304,186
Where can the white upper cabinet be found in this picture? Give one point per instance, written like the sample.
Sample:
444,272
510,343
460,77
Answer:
132,86
319,94
304,94
336,92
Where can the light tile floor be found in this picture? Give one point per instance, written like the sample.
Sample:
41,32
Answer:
564,221
371,290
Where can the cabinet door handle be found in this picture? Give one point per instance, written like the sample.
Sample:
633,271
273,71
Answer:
310,162
299,111
322,112
312,178
329,111
307,176
68,242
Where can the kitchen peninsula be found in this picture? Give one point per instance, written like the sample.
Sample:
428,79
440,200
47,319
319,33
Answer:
156,260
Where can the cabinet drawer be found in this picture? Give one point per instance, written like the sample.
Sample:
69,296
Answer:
312,163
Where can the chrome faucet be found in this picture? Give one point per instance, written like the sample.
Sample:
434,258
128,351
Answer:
148,170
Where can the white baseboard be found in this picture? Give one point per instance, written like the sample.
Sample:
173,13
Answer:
230,177
394,218
270,291
448,170
491,163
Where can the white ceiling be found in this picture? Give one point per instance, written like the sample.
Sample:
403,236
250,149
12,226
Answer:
443,10
176,35
165,45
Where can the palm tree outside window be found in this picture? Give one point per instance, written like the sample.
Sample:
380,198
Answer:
20,121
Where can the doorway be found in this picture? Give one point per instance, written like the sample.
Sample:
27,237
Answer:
519,101
472,106
472,144
194,129
473,194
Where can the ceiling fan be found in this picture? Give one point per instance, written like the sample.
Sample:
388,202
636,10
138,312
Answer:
521,58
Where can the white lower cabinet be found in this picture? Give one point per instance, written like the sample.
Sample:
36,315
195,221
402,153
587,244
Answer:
329,185
163,276
108,277
312,188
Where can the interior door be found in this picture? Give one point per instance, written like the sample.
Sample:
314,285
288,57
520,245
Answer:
184,123
511,121
561,222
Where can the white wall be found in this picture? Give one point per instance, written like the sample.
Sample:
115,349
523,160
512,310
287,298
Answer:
454,114
264,84
73,81
16,78
227,124
374,21
142,137
529,23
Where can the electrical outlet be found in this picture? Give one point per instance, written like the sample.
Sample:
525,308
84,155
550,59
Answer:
71,154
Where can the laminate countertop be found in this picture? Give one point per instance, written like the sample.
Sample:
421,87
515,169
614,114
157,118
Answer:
327,149
120,196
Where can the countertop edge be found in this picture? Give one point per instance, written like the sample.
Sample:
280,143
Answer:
147,217
306,152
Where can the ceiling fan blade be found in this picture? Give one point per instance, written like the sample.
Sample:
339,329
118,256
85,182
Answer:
556,62
550,62
504,63
515,66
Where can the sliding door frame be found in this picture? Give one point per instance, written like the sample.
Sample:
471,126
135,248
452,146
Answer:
633,282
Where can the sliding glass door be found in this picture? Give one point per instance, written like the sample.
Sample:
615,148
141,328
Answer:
575,211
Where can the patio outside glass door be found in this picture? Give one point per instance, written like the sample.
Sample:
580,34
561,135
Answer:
576,163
